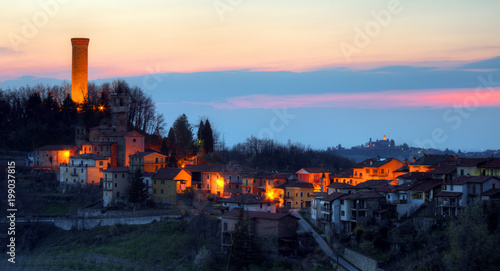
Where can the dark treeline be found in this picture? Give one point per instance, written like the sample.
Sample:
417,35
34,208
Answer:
31,117
267,154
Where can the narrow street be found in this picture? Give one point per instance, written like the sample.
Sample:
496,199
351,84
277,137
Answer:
323,245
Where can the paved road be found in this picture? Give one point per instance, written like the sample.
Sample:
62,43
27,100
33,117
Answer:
323,245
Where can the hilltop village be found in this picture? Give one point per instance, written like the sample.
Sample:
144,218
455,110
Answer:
343,207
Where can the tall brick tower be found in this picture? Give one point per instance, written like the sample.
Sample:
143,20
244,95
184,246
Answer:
79,70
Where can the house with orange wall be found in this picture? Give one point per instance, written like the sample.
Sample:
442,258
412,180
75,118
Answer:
167,183
147,161
51,156
376,169
318,176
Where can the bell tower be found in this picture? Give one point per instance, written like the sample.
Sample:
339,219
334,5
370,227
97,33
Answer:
119,111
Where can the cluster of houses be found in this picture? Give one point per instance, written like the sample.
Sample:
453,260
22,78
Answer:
371,191
448,183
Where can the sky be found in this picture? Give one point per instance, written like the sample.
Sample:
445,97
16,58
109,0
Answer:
322,73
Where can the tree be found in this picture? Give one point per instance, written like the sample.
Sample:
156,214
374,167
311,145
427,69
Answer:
200,130
208,137
471,247
164,147
244,249
184,142
170,142
138,191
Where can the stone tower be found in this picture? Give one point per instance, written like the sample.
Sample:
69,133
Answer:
119,111
79,70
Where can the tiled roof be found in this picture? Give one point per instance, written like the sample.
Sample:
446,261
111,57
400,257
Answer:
333,196
492,163
362,195
386,188
471,179
246,199
492,192
449,194
300,184
167,173
375,162
134,134
372,184
204,168
444,169
116,169
427,185
88,156
470,162
343,174
55,148
416,176
340,186
314,170
142,154
220,168
404,187
235,213
431,159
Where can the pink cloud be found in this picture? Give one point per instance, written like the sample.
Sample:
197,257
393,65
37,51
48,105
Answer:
444,98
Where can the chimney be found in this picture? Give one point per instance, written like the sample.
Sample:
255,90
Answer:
414,159
79,70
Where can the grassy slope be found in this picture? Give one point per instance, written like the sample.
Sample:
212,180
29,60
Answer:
159,246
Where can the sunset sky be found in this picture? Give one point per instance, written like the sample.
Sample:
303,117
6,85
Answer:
319,72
